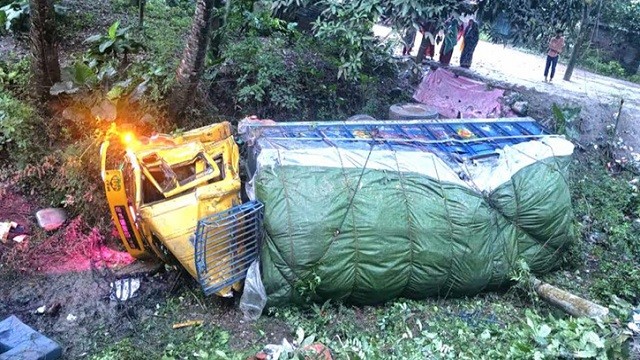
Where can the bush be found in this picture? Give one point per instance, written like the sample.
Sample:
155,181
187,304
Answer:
606,206
274,70
14,75
594,62
20,137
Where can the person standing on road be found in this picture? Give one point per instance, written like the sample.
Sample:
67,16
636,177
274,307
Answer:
471,38
450,40
556,45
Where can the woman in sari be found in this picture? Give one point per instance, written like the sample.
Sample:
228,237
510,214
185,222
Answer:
471,38
450,40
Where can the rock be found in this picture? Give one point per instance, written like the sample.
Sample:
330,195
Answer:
597,237
51,218
520,107
5,227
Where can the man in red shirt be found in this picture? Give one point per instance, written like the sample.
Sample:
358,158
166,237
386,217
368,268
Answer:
556,45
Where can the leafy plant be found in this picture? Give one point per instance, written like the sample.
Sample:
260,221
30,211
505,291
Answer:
288,75
15,16
14,75
114,44
565,120
19,139
570,338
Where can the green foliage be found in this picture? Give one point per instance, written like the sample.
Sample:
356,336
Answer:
623,14
479,328
533,24
566,120
592,61
165,29
19,140
210,344
14,75
15,16
347,26
114,44
550,338
288,75
607,207
622,279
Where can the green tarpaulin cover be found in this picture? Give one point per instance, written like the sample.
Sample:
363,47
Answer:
352,229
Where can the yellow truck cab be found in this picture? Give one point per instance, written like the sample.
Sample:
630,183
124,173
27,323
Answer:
178,197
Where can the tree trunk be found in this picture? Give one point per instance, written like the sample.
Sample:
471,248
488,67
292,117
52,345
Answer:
582,34
192,64
44,47
421,50
572,304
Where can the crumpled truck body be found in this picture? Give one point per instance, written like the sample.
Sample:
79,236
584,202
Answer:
165,185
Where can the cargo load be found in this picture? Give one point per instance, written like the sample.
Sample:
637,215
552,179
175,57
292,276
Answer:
365,212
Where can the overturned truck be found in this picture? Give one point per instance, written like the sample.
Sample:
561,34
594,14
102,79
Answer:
369,211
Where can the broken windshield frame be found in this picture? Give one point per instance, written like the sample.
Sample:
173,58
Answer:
174,179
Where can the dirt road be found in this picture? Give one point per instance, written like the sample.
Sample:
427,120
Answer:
599,96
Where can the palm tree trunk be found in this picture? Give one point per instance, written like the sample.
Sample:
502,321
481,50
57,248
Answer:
192,64
44,47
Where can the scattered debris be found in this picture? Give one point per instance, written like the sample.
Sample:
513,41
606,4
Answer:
187,324
307,350
124,289
54,310
139,268
51,218
71,317
19,238
254,296
5,228
19,341
41,310
520,108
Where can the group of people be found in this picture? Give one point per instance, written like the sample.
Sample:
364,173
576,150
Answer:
455,31
468,33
